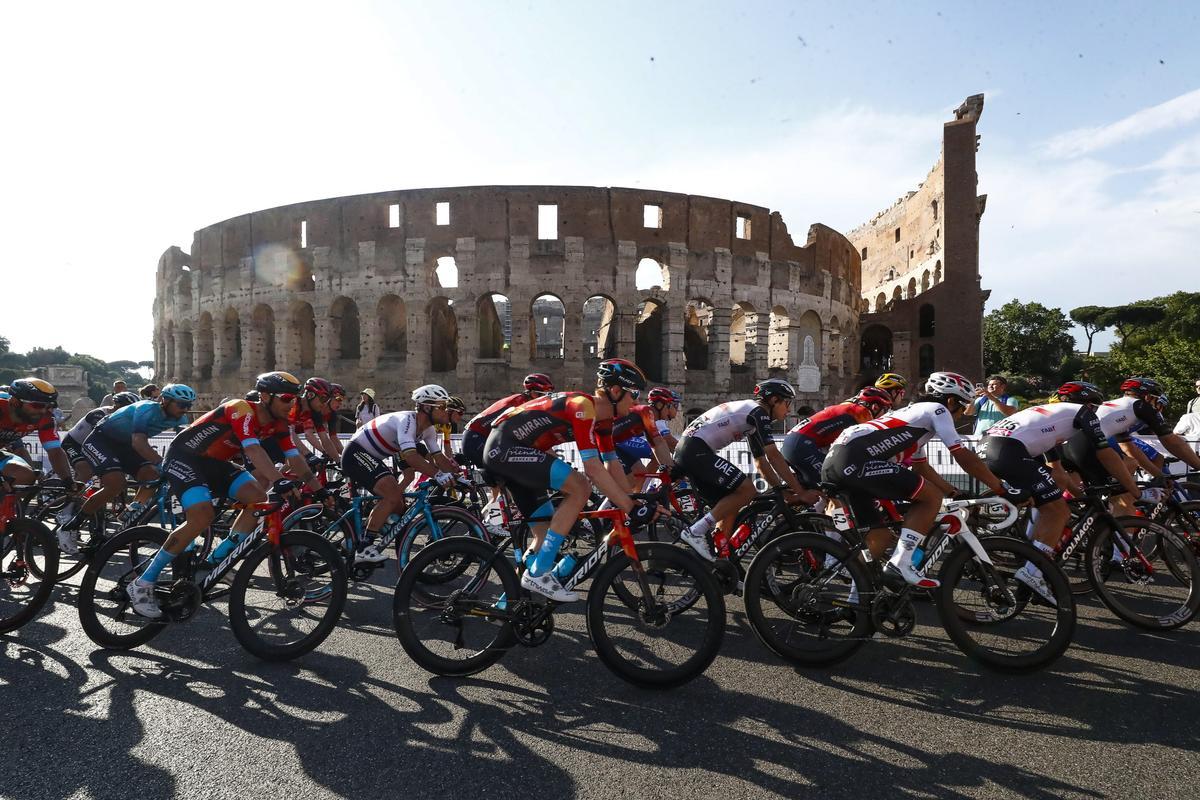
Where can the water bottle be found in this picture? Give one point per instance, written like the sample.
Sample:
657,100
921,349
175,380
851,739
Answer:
563,569
739,536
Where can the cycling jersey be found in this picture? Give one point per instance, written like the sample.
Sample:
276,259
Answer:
481,423
639,422
730,422
145,417
825,425
80,430
1126,415
903,433
225,431
556,419
396,433
304,420
1040,428
13,429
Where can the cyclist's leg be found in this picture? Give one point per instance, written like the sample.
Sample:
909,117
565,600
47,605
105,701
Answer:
722,485
366,471
105,457
145,474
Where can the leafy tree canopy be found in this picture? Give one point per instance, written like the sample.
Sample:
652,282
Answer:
1027,339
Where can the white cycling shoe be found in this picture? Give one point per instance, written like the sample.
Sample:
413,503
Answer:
69,541
371,554
142,600
699,543
548,586
1032,577
905,570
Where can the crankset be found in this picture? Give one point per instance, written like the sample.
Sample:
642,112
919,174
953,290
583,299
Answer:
893,614
180,601
727,575
532,623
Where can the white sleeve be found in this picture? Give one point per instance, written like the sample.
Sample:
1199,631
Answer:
1188,425
406,432
432,440
943,427
664,429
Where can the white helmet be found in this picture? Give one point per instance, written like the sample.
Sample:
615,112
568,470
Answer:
430,395
952,384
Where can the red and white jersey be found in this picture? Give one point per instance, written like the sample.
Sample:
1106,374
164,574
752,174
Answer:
903,434
394,433
1040,428
1125,415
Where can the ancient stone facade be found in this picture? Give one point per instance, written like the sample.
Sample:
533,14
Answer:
921,299
474,287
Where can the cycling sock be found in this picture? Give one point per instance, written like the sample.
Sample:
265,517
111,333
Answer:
1045,548
909,539
1033,515
702,525
157,564
545,559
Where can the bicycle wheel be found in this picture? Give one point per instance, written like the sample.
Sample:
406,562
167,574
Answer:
285,600
448,521
801,602
459,626
994,618
104,610
652,645
24,546
1146,574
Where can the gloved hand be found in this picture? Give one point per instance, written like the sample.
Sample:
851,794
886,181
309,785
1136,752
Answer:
444,479
284,485
640,516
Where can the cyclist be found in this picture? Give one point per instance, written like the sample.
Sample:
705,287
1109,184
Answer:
455,408
309,418
519,450
393,434
27,407
638,434
722,485
895,385
331,419
72,442
1014,448
864,461
199,464
805,445
535,385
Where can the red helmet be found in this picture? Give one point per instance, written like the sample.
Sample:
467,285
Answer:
660,394
873,396
538,382
319,387
1079,392
338,390
1142,386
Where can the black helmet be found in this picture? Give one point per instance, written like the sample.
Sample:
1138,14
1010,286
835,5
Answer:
34,390
1080,392
1138,385
774,387
252,396
122,399
277,383
621,372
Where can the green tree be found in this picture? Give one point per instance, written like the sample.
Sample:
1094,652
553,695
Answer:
41,356
1127,319
1090,319
1027,339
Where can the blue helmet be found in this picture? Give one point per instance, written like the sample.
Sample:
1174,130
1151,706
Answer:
180,393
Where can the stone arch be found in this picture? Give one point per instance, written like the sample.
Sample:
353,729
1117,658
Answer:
808,372
925,360
231,341
925,281
303,323
547,323
880,302
912,288
262,343
650,339
743,337
443,336
393,328
204,346
344,331
651,274
779,340
696,324
599,327
445,273
876,349
937,273
897,295
494,317
925,320
170,360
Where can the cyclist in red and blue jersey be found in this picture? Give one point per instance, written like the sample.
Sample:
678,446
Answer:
535,385
636,436
806,443
28,407
310,417
199,464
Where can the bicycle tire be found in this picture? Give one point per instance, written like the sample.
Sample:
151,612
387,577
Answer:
120,556
410,542
1180,595
1026,620
797,552
23,542
300,553
661,557
420,616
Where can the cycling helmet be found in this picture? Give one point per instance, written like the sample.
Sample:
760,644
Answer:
538,382
950,384
252,396
179,393
1079,392
774,387
1163,401
660,394
891,381
122,399
430,395
1142,386
277,383
338,390
318,387
873,396
678,396
34,390
456,404
621,372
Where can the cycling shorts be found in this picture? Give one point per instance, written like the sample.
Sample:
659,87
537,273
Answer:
106,455
471,455
362,468
1079,455
866,479
712,476
529,473
805,457
73,449
196,479
1010,460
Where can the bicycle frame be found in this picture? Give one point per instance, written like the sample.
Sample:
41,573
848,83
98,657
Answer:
270,528
1094,510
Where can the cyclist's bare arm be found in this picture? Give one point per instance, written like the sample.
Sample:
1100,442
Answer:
599,474
973,465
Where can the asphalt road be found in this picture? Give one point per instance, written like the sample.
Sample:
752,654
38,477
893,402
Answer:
194,716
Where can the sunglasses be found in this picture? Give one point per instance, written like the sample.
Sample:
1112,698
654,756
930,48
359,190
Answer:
35,405
182,405
287,398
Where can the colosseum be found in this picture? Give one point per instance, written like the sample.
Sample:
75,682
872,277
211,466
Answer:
472,287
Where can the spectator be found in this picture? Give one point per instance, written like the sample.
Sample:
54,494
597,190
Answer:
149,392
992,404
118,387
1193,407
367,408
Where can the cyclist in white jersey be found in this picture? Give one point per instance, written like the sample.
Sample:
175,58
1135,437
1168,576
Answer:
72,443
863,461
722,485
393,434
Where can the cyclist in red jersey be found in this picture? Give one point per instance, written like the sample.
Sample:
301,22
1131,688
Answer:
535,385
198,463
331,419
27,408
637,435
806,444
519,450
309,416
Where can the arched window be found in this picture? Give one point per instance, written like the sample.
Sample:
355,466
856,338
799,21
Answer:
937,273
880,302
651,274
778,341
599,328
925,325
912,288
183,291
494,317
393,328
344,329
650,350
697,320
231,342
547,318
743,337
443,336
897,295
925,281
876,349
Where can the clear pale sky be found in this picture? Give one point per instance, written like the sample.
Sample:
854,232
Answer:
128,126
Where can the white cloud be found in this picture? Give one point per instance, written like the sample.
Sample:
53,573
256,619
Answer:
1173,113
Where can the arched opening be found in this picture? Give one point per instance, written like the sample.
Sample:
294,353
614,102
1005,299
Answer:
547,318
697,321
393,328
925,360
743,337
925,281
495,326
443,336
170,360
808,372
262,348
599,328
650,350
204,346
778,341
937,273
651,275
231,341
344,329
446,273
880,302
304,334
912,288
925,323
876,349
897,295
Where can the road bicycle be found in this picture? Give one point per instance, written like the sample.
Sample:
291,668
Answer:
28,552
